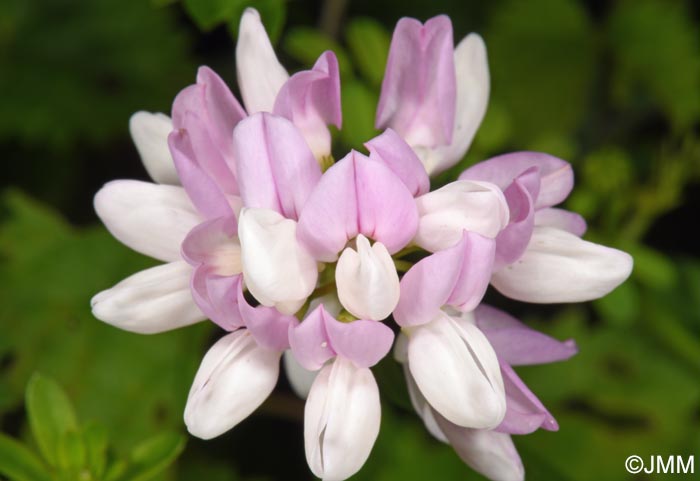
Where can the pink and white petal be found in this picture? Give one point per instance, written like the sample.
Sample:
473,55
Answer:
557,177
490,453
524,412
300,379
457,371
260,74
203,191
341,420
311,100
560,267
277,269
235,377
458,276
269,326
445,213
150,135
275,167
419,88
473,85
512,241
150,218
357,195
309,340
217,297
363,342
390,149
421,406
368,284
214,243
517,344
561,219
151,301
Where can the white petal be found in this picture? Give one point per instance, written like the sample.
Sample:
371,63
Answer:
368,284
235,377
445,213
299,378
260,75
341,420
150,218
457,371
151,301
560,267
472,68
277,269
488,452
150,135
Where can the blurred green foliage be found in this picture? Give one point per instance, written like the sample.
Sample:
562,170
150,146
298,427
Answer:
613,87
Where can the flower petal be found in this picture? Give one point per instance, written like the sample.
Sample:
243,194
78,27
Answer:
276,268
150,135
561,219
275,167
517,344
457,276
419,87
151,301
309,340
560,267
390,149
149,218
260,75
268,325
214,243
300,379
457,371
217,296
311,99
341,420
368,284
512,241
487,452
557,177
235,377
445,213
524,412
357,195
363,342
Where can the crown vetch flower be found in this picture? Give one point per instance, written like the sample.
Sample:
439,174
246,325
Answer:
301,257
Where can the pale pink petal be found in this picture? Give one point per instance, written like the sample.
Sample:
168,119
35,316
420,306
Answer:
556,175
215,243
445,213
364,342
396,154
560,267
217,296
368,284
268,326
275,167
277,269
151,301
524,412
487,452
357,196
235,377
300,378
457,276
418,98
149,218
341,420
260,75
311,100
309,340
517,344
561,219
150,135
512,241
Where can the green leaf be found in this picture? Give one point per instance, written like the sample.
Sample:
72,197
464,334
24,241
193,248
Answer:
359,103
651,267
208,13
306,44
95,438
153,456
20,464
51,415
369,45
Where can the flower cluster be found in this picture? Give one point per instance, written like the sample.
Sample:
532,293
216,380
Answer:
299,256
